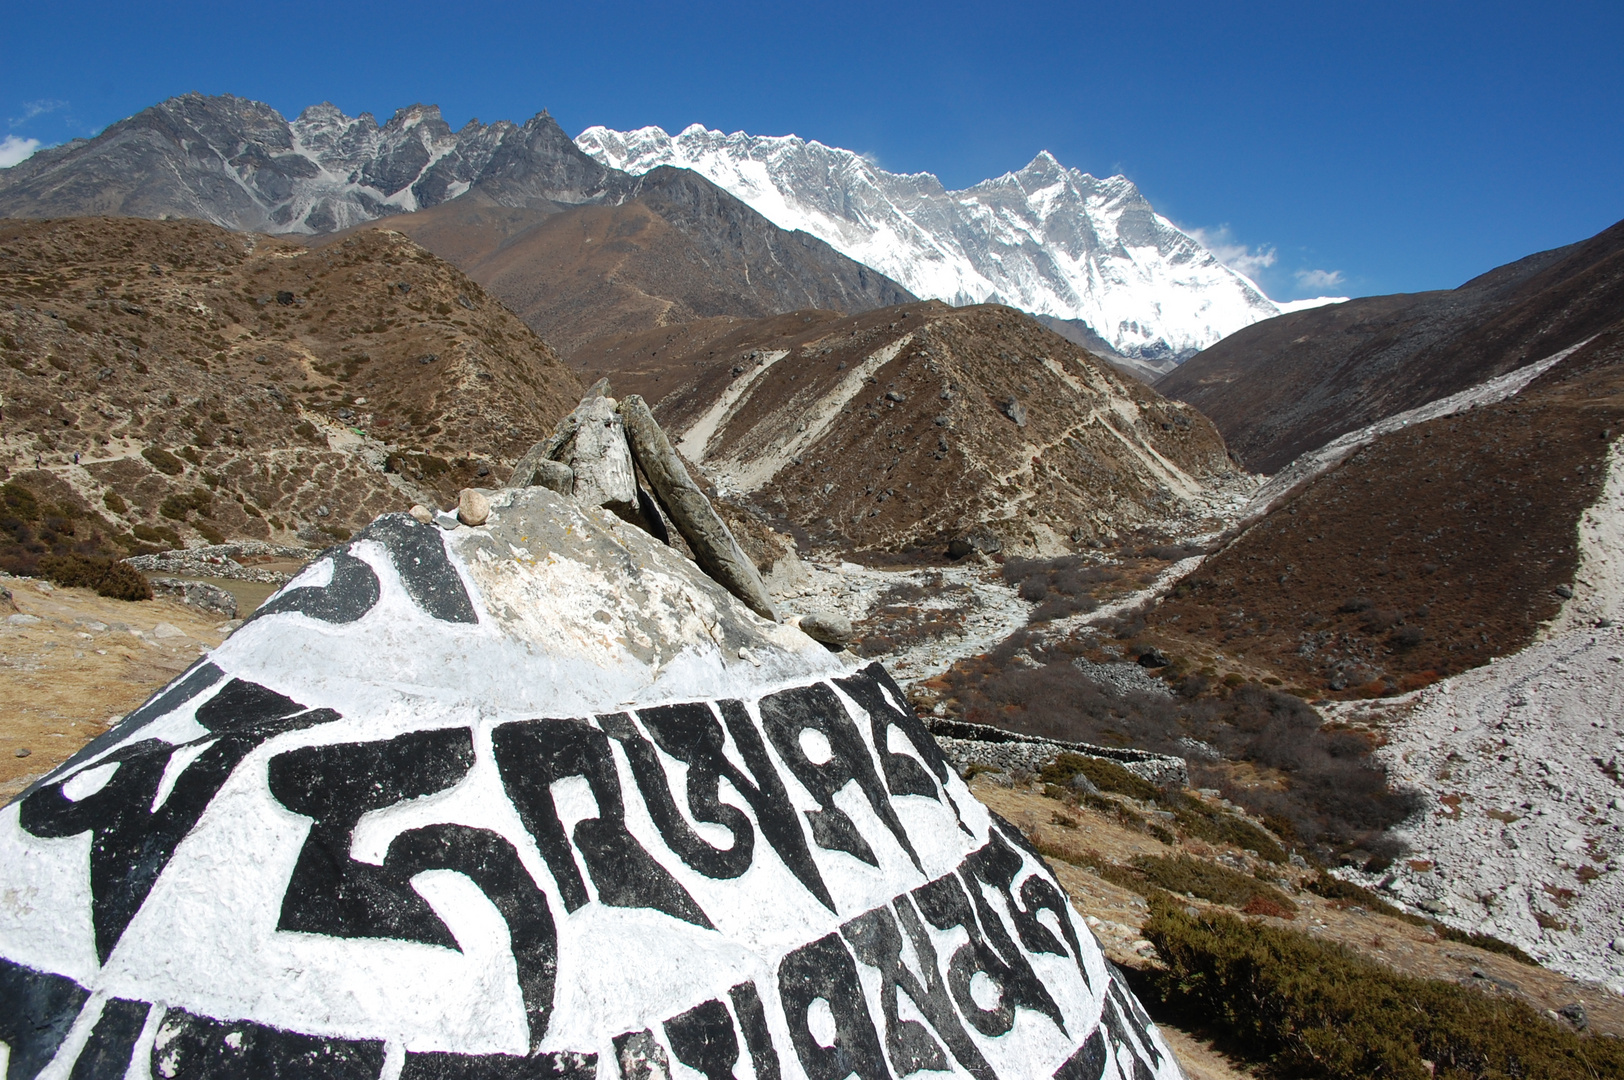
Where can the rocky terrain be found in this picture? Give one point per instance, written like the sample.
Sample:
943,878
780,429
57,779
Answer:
173,382
238,163
918,425
1287,385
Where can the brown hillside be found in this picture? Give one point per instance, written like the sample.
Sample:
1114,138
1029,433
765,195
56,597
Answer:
1430,551
678,248
1289,384
914,425
274,389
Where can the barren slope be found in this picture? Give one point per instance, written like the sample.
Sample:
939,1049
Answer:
1289,384
677,248
290,390
1426,553
918,424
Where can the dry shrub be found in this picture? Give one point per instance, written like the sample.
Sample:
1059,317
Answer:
1060,587
107,576
1103,774
32,529
163,461
1209,881
1334,797
1314,1009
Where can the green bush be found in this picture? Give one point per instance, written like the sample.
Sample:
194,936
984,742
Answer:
1313,1009
1105,775
107,576
163,461
114,501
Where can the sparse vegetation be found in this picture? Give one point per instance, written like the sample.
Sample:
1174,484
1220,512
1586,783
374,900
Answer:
108,577
1312,1009
1320,787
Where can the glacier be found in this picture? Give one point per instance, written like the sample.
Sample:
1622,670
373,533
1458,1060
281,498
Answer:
1047,239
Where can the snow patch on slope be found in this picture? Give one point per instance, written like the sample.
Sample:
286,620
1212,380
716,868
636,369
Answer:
1046,239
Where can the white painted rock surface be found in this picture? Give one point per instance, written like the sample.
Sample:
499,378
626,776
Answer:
507,802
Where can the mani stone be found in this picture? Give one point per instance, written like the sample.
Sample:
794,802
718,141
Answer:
430,814
713,545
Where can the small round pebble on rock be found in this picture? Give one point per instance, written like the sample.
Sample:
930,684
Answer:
23,751
473,508
827,627
422,513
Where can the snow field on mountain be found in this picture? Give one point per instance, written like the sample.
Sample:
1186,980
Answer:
1046,239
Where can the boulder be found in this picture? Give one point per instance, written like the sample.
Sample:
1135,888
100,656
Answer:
555,476
537,799
827,627
600,458
707,535
473,507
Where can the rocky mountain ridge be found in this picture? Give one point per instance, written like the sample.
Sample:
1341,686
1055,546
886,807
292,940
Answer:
670,248
1047,239
670,245
238,163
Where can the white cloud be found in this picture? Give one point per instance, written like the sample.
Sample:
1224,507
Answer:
1320,279
31,109
1238,257
13,150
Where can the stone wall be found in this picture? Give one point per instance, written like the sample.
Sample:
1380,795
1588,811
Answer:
967,744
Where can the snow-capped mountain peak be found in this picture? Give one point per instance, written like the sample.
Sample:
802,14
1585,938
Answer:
1046,238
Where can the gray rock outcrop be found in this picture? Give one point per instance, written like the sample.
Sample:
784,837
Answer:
713,545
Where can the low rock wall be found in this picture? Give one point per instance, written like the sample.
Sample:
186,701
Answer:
199,594
967,744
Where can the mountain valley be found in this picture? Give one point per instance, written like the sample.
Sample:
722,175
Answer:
1396,663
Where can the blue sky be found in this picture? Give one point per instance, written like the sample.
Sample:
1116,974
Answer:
1352,148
